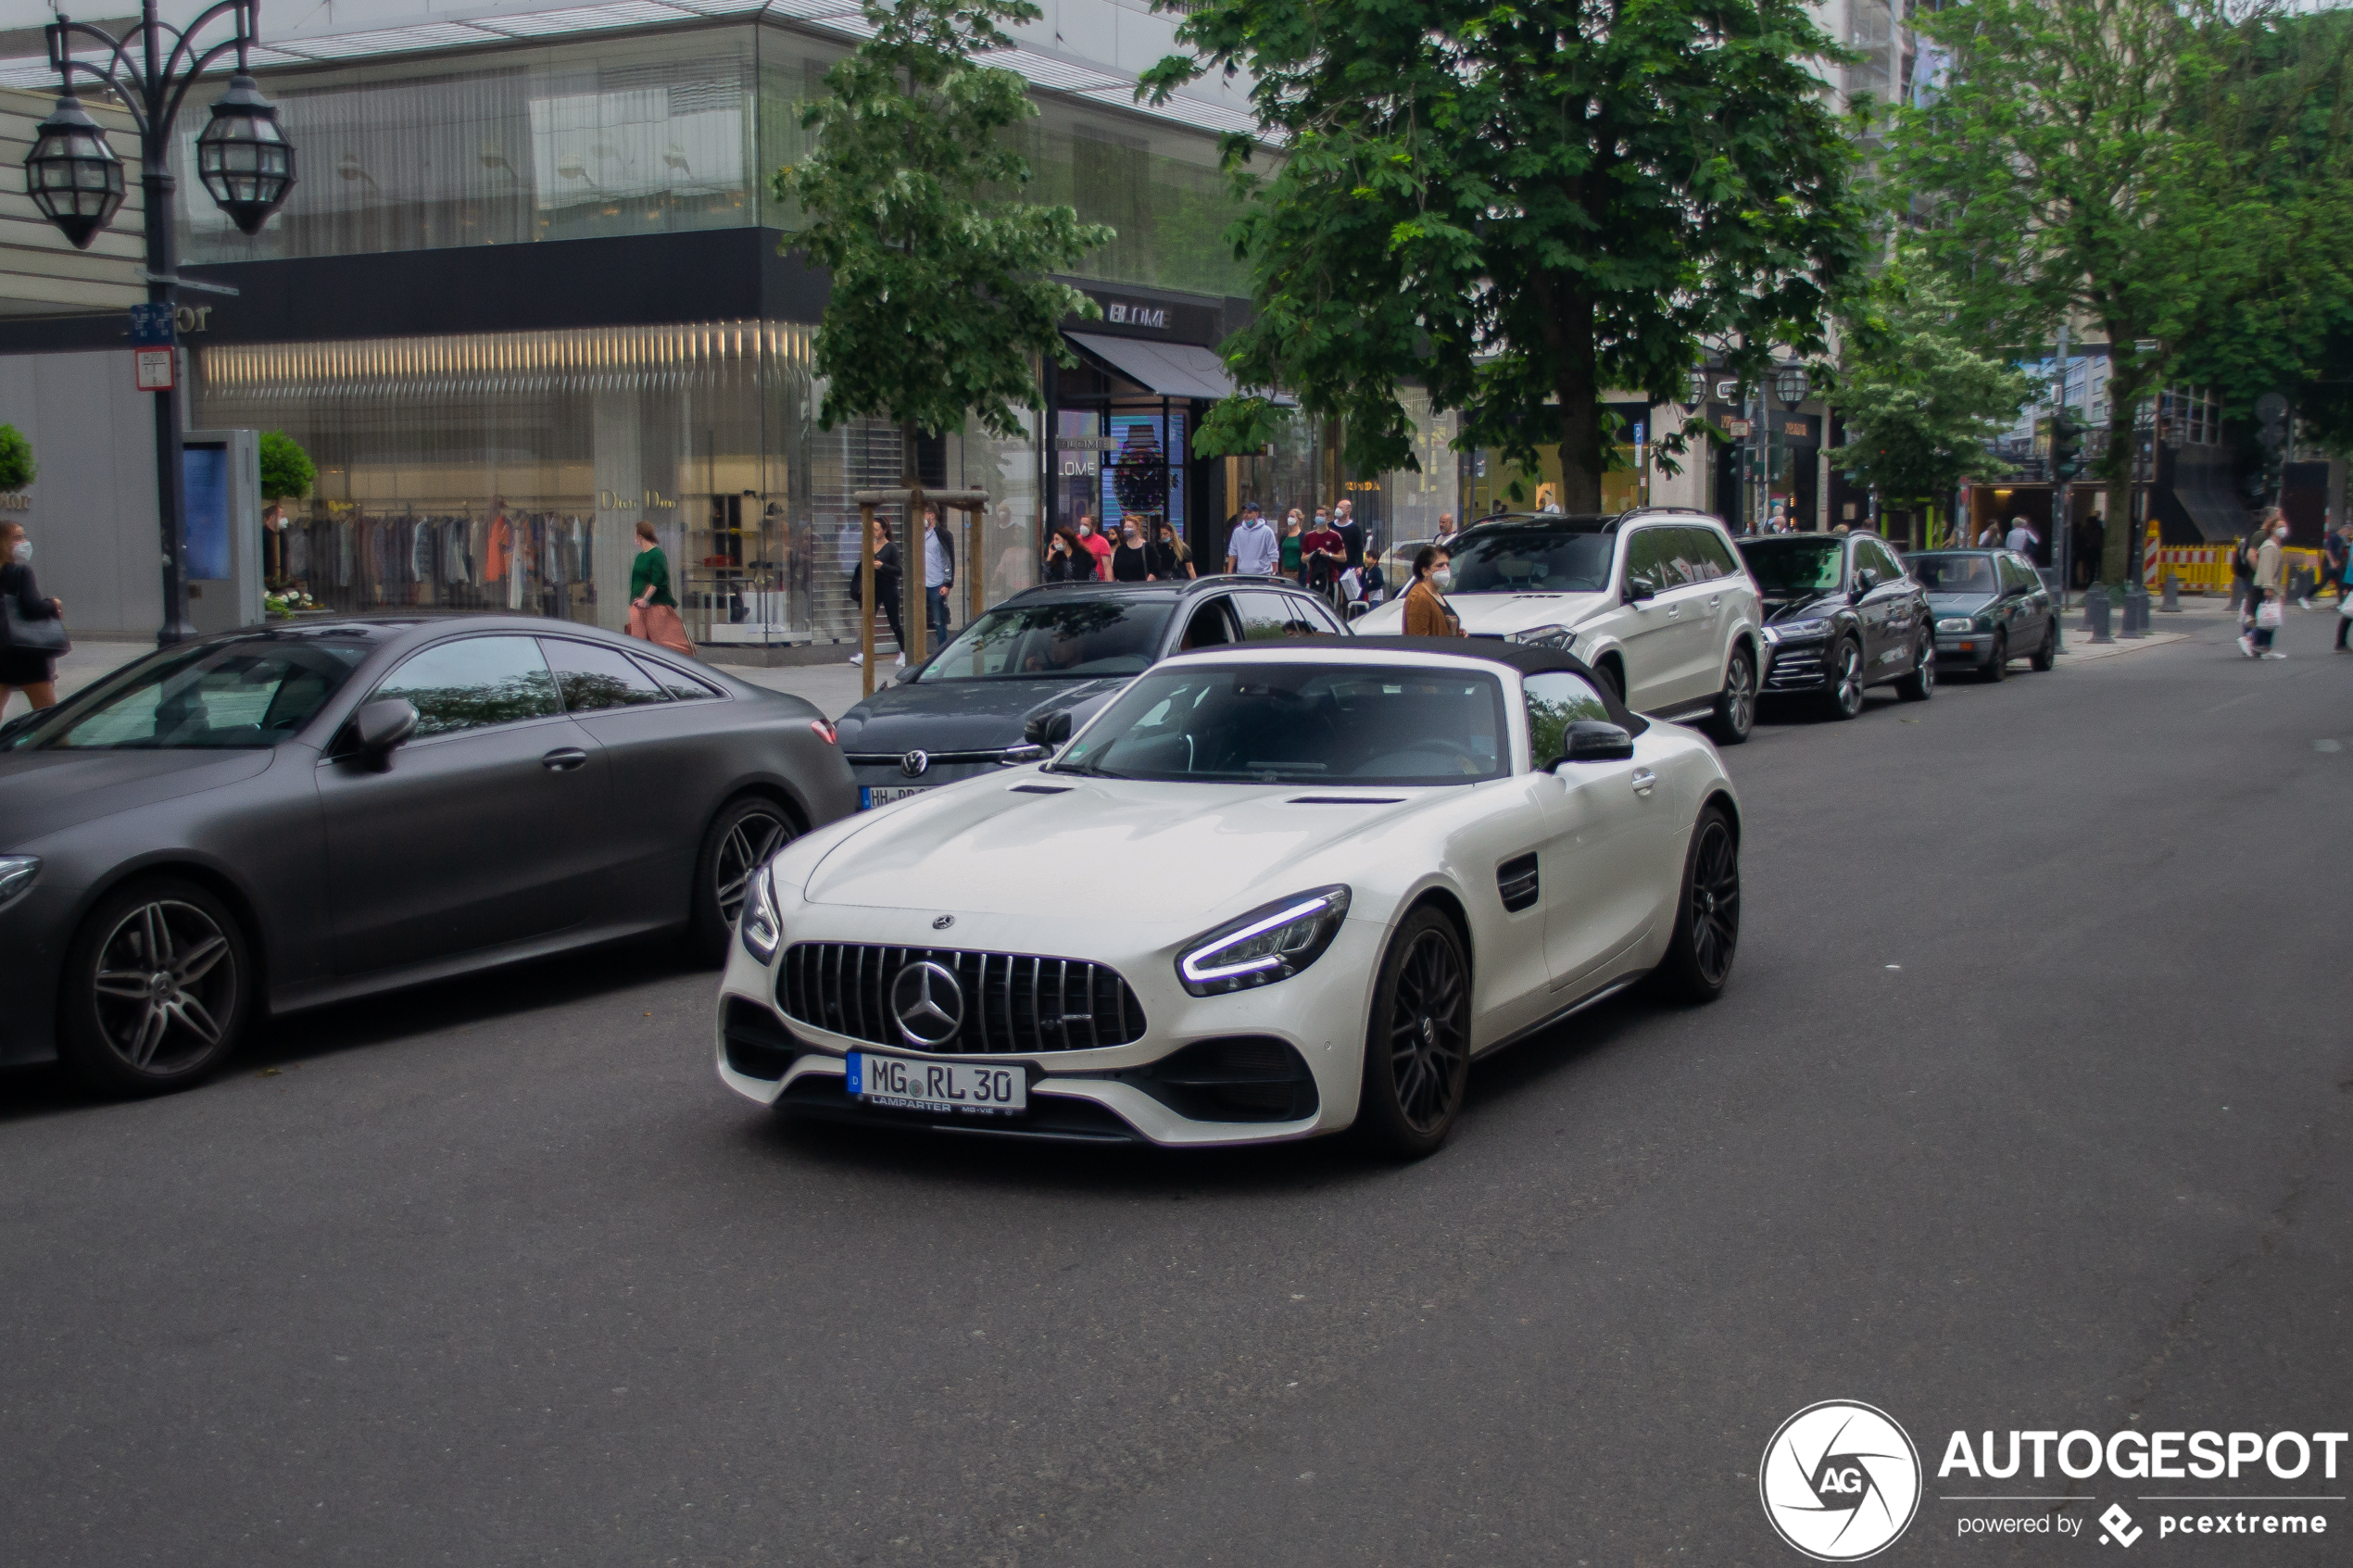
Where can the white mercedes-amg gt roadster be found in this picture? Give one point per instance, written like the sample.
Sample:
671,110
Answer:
1270,891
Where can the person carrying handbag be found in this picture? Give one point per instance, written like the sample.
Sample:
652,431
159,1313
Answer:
33,630
2267,595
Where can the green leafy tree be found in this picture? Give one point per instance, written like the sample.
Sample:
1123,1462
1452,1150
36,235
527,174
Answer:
938,308
1920,403
2088,160
286,469
17,467
1522,205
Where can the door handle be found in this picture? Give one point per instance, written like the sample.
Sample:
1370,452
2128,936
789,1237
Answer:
564,760
1643,781
1674,611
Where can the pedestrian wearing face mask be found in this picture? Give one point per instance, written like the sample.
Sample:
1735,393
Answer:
1427,612
2268,594
1131,561
32,628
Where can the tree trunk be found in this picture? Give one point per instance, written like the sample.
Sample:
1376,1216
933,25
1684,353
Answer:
1568,334
2116,468
914,599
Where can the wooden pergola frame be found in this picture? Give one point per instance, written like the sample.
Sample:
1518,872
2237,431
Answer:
915,629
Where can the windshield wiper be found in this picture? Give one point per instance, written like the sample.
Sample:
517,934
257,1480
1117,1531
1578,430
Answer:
1084,770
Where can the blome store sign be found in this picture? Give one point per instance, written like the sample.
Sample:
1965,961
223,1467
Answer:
1842,1481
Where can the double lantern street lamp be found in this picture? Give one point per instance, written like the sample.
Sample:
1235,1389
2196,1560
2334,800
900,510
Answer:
75,178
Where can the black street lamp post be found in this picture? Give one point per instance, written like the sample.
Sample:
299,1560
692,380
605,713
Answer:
75,178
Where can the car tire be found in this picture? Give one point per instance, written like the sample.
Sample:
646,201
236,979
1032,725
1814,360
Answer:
2046,658
1997,666
1707,913
1736,712
157,989
1613,677
746,830
1842,686
1418,1044
1921,685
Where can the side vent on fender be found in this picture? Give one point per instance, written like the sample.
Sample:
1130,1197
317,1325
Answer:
1515,879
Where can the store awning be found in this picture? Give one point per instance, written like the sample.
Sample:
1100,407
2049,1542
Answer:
1173,369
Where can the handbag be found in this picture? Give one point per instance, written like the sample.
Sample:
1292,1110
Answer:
47,636
2271,614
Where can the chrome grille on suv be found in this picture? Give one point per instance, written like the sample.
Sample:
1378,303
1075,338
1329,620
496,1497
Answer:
1012,1002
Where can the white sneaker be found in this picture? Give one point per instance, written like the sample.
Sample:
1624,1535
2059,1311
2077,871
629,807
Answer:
2306,601
2269,654
858,659
2246,644
903,661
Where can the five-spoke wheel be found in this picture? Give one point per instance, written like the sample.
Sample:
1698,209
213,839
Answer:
155,991
1843,696
738,842
1707,915
1736,712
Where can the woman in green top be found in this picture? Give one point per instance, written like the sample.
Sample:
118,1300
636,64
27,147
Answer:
653,613
1291,541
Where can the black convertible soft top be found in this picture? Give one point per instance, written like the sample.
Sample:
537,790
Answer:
1527,657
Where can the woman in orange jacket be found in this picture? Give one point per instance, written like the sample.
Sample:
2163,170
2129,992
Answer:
1427,612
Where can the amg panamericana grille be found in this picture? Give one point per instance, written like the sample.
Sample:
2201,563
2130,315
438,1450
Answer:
1012,1003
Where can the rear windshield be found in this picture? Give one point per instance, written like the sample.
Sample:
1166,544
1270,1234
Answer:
1532,560
1299,724
236,696
1954,574
1055,638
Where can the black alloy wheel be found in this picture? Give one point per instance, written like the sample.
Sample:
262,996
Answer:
1417,1049
1921,685
2046,657
155,991
1707,916
740,840
1843,696
1736,704
1998,666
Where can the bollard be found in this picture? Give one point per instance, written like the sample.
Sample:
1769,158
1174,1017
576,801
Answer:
2137,611
2238,592
2172,605
2096,613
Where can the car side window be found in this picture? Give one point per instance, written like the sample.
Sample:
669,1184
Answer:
2012,578
1649,554
472,683
1556,699
1266,615
590,678
1717,551
677,683
1319,617
1208,628
1699,561
1873,554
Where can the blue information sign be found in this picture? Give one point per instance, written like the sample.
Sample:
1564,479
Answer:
151,326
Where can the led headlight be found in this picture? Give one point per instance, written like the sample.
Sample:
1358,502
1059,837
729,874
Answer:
1954,623
1273,942
1544,636
16,873
1795,631
759,924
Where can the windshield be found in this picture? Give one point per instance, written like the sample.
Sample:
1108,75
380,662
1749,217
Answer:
1055,636
1954,574
251,693
1532,560
1299,724
1791,565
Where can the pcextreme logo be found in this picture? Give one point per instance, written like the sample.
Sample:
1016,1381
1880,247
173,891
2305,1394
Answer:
1839,1481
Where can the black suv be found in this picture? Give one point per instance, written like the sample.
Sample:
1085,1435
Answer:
996,694
1841,614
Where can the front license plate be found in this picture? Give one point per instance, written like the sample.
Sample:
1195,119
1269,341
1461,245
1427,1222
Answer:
938,1086
872,796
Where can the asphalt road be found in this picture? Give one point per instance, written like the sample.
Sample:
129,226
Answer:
499,1274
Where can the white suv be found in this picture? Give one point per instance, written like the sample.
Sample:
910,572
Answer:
1657,601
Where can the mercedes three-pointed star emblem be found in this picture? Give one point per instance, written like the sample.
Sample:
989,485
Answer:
927,1004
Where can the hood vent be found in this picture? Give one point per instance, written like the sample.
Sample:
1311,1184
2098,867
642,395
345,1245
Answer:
1039,789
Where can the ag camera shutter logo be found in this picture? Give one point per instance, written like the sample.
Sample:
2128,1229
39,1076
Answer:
1839,1481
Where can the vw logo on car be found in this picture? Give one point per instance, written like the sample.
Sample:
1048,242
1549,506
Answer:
915,764
927,1003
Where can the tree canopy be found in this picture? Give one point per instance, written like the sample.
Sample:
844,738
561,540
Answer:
940,305
17,467
286,469
1918,403
1520,207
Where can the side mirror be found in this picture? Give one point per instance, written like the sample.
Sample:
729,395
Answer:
1358,610
1591,740
901,677
1866,580
1640,588
1048,729
382,725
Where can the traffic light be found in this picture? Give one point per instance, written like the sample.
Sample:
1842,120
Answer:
2066,446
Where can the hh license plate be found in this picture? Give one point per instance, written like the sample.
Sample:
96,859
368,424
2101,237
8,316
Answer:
872,796
938,1086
